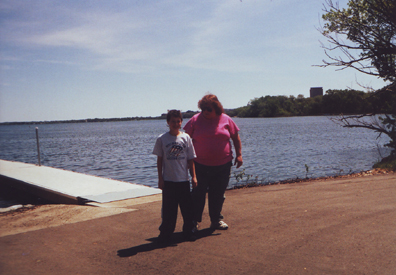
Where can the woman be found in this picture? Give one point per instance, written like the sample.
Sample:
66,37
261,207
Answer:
211,131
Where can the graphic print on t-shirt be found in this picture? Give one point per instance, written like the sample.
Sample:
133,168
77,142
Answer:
174,151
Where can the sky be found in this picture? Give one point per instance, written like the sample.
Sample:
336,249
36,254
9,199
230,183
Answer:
65,60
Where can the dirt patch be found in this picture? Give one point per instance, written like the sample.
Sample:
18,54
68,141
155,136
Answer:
34,217
29,219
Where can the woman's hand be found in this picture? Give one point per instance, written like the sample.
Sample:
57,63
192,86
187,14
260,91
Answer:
238,161
238,150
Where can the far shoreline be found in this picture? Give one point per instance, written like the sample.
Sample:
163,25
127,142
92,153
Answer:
186,115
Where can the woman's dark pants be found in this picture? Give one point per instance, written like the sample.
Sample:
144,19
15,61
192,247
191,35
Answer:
214,180
173,195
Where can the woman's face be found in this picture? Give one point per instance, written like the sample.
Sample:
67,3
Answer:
208,112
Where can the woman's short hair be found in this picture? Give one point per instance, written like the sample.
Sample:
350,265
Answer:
210,100
174,113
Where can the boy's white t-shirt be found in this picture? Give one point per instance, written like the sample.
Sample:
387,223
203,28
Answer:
175,152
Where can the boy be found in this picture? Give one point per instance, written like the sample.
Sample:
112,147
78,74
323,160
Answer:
175,154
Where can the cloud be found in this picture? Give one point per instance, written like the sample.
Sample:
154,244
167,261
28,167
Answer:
192,37
143,36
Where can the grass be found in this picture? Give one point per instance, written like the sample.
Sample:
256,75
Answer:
388,163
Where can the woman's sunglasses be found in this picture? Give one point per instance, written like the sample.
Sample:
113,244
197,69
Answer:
209,109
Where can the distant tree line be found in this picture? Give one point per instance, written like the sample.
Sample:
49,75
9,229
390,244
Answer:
187,114
334,102
80,120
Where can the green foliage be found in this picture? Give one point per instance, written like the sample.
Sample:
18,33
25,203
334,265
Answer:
334,102
389,122
247,180
371,27
239,176
383,117
189,114
365,34
388,163
346,101
353,106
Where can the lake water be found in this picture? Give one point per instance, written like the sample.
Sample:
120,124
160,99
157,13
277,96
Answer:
273,149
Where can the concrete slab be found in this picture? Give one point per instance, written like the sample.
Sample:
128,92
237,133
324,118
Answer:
71,185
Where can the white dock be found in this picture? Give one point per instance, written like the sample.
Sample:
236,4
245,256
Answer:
69,187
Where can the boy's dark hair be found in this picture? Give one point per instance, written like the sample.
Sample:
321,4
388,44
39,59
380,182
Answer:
174,113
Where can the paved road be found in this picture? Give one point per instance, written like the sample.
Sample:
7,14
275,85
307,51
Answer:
337,226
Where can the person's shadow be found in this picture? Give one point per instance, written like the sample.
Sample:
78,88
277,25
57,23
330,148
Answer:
176,239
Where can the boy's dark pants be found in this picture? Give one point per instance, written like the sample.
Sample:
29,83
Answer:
213,180
173,195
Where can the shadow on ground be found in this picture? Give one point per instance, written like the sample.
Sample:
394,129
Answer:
11,196
176,239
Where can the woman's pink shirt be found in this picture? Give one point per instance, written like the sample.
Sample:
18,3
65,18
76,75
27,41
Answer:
211,138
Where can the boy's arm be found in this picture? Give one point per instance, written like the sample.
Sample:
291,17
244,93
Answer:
191,166
159,169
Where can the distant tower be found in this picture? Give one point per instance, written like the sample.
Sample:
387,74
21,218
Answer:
315,91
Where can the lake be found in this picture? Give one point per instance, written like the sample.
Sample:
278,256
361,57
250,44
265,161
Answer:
273,149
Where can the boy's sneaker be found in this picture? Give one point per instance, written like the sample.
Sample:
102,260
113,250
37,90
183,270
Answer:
220,225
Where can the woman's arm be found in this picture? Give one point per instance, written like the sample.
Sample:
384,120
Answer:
238,149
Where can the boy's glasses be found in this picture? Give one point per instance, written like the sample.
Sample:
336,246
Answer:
209,109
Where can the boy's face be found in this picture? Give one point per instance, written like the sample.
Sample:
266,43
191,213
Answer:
175,123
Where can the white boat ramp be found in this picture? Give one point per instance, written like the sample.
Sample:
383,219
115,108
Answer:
64,186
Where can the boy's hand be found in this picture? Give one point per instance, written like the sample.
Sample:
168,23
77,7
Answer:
161,184
194,182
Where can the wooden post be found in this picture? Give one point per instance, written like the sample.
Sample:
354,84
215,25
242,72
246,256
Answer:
38,146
